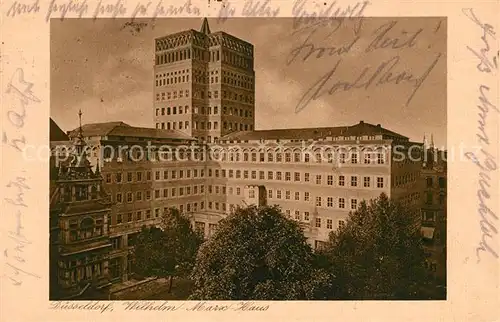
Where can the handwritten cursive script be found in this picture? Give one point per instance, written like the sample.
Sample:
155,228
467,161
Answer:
384,74
486,162
17,186
332,15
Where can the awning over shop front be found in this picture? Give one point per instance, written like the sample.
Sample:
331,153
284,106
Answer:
427,232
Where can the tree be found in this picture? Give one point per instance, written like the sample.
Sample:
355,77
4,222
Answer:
257,253
378,254
167,250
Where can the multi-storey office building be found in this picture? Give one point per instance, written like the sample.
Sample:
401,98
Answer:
204,93
204,84
319,175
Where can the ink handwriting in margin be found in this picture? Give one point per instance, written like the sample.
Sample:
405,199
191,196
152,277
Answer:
387,72
487,66
250,8
17,186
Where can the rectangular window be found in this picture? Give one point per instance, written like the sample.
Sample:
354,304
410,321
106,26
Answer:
318,222
354,181
380,158
278,175
306,196
306,177
354,158
278,194
306,215
329,180
297,176
287,195
288,176
366,182
318,179
138,195
329,224
329,202
270,194
354,204
297,195
297,215
318,201
368,157
341,181
380,182
269,175
341,203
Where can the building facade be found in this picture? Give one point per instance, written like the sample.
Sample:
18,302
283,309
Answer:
204,157
79,227
204,84
433,184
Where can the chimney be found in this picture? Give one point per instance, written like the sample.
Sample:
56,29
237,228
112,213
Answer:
379,126
361,122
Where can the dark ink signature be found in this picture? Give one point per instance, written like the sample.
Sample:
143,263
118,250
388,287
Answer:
384,74
308,48
382,41
488,165
486,63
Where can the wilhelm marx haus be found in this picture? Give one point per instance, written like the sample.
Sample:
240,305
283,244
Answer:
204,112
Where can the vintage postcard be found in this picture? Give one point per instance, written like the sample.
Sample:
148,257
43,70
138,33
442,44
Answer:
221,160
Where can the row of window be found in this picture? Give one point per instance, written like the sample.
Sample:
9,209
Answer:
318,221
229,95
306,157
319,201
319,179
430,182
405,179
181,54
147,214
171,80
203,111
306,177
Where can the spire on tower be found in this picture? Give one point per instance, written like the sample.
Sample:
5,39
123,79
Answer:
432,141
97,170
204,27
80,130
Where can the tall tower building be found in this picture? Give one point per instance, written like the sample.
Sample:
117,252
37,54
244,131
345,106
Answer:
204,83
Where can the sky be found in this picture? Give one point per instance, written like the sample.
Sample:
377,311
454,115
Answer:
105,68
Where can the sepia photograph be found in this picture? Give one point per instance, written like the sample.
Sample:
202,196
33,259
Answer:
250,159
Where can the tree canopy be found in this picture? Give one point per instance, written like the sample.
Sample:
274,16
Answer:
378,254
169,249
257,253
